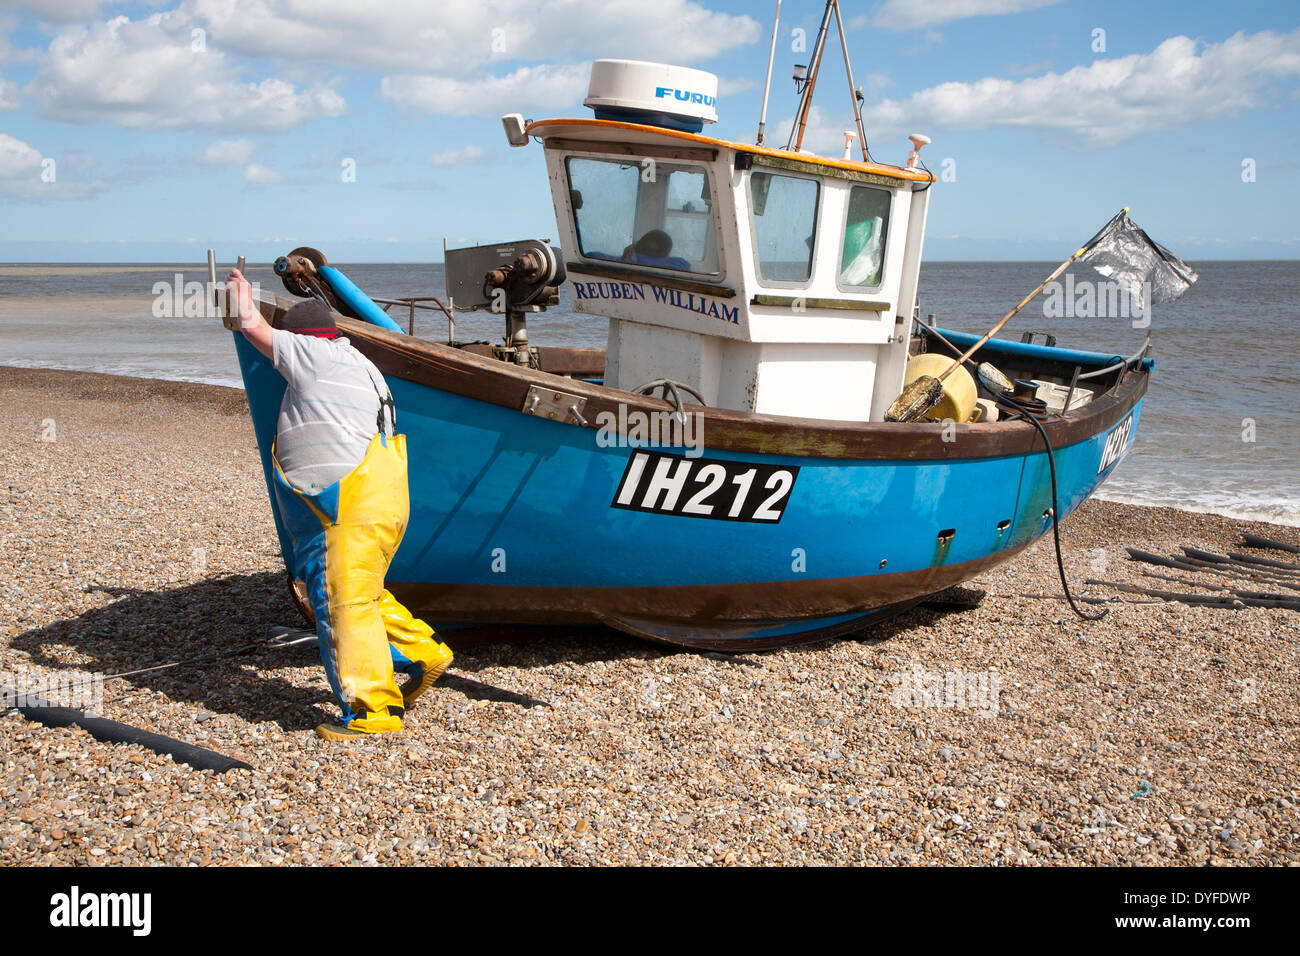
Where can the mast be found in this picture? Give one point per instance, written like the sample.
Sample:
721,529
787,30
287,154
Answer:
805,103
767,85
853,92
795,142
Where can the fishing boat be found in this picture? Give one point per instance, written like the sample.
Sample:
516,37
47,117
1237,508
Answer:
723,475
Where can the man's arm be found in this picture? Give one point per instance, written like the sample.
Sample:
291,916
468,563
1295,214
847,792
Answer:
251,323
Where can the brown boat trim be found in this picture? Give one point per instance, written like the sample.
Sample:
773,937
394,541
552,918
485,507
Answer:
704,605
560,360
613,148
463,373
791,165
703,637
804,302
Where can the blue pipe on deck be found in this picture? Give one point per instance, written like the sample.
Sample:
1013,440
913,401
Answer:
356,300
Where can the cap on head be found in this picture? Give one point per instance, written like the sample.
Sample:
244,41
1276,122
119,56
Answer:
310,317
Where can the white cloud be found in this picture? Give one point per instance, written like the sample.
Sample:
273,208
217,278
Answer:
914,14
6,48
405,36
729,87
823,134
8,95
8,52
25,175
79,162
229,152
1181,81
876,83
437,57
464,156
260,175
527,88
147,74
1028,69
17,159
59,11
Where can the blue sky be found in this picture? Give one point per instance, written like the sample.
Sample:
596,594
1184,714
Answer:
175,126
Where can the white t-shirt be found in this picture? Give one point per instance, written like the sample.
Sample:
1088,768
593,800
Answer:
330,409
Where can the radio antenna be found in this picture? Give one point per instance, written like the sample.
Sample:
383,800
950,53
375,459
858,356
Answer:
767,85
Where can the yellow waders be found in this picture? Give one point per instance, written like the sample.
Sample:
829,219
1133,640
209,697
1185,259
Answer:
344,539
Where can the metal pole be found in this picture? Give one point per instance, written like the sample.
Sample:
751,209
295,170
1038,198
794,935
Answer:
767,85
212,284
853,93
805,104
451,301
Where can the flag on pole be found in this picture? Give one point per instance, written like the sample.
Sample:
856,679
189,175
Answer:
1123,252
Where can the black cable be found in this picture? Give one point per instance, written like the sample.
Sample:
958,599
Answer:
1056,533
1005,402
927,169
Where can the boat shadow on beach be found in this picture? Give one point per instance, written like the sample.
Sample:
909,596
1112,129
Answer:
196,623
146,628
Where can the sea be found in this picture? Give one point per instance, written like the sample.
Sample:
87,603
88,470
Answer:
1220,427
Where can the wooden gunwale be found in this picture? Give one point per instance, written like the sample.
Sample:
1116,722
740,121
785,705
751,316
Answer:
459,372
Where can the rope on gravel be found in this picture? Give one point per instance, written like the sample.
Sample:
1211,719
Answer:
279,638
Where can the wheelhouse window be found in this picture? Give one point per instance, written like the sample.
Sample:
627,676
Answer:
651,213
862,261
783,214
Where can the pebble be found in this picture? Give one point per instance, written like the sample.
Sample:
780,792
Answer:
649,756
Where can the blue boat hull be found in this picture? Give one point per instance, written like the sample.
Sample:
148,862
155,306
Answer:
516,518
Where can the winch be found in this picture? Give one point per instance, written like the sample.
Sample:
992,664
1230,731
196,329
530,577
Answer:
511,278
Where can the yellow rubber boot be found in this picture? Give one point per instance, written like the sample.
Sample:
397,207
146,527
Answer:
360,727
413,640
430,671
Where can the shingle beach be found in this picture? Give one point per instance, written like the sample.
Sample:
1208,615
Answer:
134,530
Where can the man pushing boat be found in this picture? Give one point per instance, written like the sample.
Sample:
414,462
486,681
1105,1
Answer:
341,485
